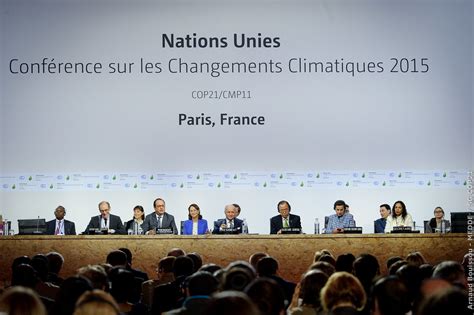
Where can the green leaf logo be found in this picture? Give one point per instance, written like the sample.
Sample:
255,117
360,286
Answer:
363,175
384,184
198,176
399,174
114,178
30,178
317,175
429,183
347,184
181,186
302,184
281,176
14,186
51,186
265,184
465,183
151,177
444,174
67,177
97,186
235,176
219,185
135,186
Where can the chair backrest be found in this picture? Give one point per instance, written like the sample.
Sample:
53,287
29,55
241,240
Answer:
326,220
374,225
182,227
426,226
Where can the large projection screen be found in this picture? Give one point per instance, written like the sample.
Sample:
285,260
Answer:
247,102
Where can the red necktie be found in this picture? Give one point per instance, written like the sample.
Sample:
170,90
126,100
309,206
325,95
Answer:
58,228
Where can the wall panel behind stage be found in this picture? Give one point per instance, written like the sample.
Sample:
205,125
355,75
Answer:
404,112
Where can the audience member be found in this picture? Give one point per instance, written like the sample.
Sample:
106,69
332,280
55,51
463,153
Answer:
390,297
97,276
164,273
453,272
231,303
255,257
268,267
267,295
415,259
96,302
343,294
448,301
344,262
308,291
19,300
55,263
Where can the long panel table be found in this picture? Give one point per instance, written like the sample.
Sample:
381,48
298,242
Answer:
294,252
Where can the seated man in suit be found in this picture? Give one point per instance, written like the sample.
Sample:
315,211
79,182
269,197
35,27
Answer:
284,219
229,222
60,226
379,224
342,219
105,220
159,219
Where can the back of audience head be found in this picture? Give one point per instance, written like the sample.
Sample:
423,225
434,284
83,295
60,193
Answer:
165,265
392,260
390,297
255,257
210,268
237,279
55,262
451,271
176,252
21,260
242,264
40,263
344,262
343,289
231,303
320,253
71,289
311,285
201,283
416,259
267,295
197,260
21,301
395,266
96,302
267,267
121,282
329,259
410,275
325,267
183,266
96,275
117,258
24,275
449,301
128,253
426,271
366,268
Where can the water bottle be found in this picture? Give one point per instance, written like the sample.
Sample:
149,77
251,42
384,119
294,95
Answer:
443,226
245,228
316,226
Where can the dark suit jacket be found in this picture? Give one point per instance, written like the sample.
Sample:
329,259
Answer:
379,225
151,222
276,223
218,223
69,227
115,223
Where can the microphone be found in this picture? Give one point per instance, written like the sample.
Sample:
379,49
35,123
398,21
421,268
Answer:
37,224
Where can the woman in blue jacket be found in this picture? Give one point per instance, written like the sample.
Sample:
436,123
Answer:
196,225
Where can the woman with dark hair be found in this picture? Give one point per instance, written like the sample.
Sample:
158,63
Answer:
399,217
438,223
308,291
134,226
195,225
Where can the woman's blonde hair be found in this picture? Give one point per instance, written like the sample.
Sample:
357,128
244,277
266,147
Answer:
19,300
343,288
96,302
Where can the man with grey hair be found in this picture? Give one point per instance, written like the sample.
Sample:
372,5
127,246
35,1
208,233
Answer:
106,221
230,224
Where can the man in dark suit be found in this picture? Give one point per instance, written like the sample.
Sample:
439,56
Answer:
379,225
284,219
60,226
159,219
105,220
229,222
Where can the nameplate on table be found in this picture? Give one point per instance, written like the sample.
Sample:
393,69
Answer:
97,231
164,231
289,230
404,229
229,231
353,230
